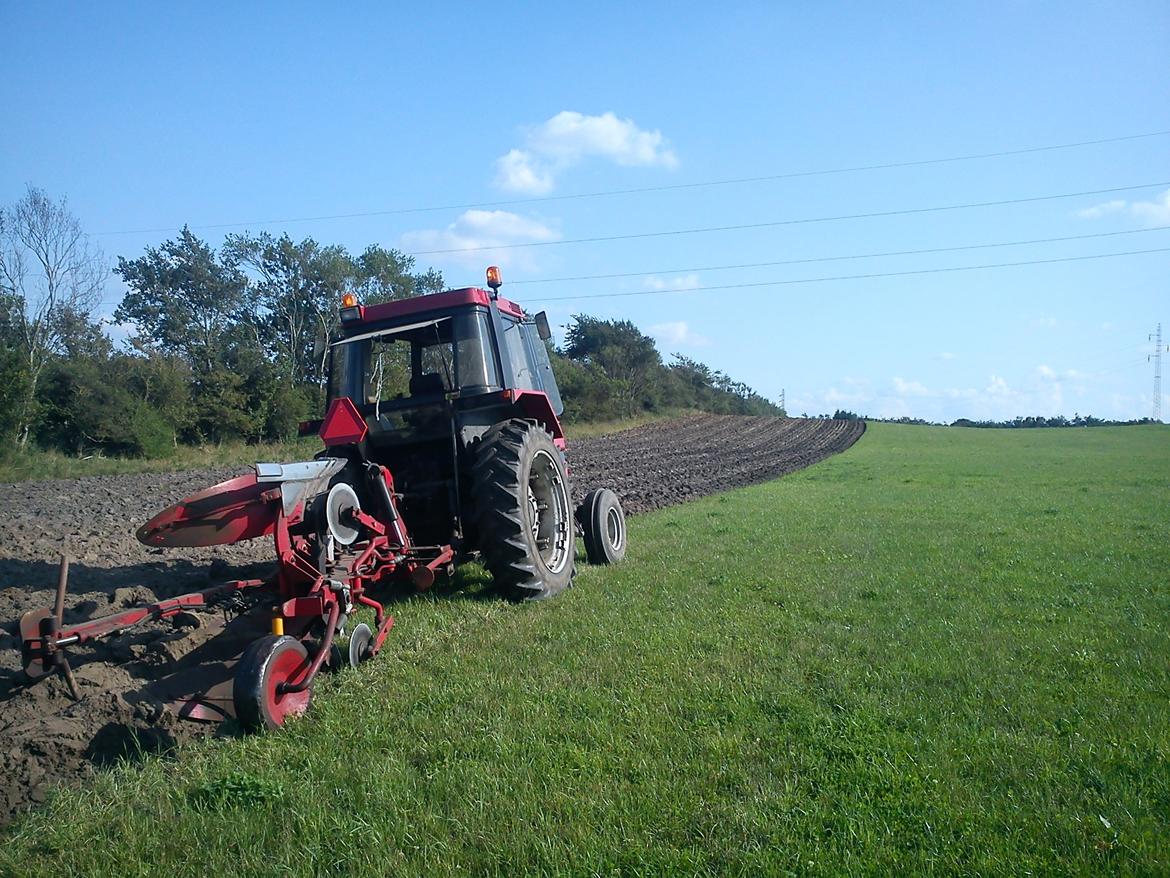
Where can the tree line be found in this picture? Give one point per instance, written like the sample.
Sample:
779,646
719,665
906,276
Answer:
229,344
1018,422
1038,421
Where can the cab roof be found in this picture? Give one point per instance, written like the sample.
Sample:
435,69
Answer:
466,296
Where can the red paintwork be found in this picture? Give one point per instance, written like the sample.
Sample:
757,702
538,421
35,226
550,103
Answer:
535,404
343,424
229,512
396,528
380,637
434,302
305,681
290,666
309,606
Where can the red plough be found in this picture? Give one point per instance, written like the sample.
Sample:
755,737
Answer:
330,554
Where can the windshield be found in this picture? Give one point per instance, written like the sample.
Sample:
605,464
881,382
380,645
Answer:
420,361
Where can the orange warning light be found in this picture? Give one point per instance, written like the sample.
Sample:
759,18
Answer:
493,277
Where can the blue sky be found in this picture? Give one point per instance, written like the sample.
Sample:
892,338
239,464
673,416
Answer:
149,118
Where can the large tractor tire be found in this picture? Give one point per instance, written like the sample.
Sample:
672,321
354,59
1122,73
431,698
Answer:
523,511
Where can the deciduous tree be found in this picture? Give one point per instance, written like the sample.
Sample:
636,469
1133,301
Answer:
49,269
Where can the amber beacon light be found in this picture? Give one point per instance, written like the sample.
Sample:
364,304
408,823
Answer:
493,277
351,312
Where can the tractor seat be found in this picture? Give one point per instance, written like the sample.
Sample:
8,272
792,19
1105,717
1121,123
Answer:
429,384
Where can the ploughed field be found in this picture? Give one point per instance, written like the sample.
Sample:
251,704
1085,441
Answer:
46,738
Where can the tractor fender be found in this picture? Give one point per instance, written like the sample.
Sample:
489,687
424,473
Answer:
536,405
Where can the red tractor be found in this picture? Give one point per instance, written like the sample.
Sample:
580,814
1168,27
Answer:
442,444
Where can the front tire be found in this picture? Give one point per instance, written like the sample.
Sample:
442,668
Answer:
523,511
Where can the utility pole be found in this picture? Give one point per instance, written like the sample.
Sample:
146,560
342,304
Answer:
1157,358
783,408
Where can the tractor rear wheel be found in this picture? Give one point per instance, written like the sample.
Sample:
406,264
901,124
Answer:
266,664
523,511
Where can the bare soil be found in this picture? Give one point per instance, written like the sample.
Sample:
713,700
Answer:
127,680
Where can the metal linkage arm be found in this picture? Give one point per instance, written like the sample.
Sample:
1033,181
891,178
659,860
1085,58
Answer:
43,635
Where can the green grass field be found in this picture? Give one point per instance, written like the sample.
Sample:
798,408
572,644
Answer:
944,650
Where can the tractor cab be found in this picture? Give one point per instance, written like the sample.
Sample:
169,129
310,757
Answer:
410,365
430,376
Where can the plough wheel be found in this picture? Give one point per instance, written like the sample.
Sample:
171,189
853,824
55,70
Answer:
359,644
268,662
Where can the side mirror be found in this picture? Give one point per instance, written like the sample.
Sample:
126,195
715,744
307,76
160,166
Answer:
542,327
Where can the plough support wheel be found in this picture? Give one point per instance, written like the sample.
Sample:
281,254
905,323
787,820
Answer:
359,644
269,662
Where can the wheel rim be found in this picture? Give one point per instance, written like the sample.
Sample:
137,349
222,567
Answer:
288,666
614,529
548,507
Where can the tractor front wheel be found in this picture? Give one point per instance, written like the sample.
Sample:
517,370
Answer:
604,525
267,663
523,511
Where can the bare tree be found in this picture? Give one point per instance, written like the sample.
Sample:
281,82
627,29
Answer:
50,269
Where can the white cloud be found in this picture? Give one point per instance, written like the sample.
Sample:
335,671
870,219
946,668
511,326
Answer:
998,387
569,138
681,282
1155,212
475,229
910,388
947,355
1046,390
960,393
1099,210
677,333
1047,373
516,172
1044,322
836,398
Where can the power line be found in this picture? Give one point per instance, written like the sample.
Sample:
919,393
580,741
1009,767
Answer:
814,280
734,181
791,222
550,280
1129,364
1102,353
